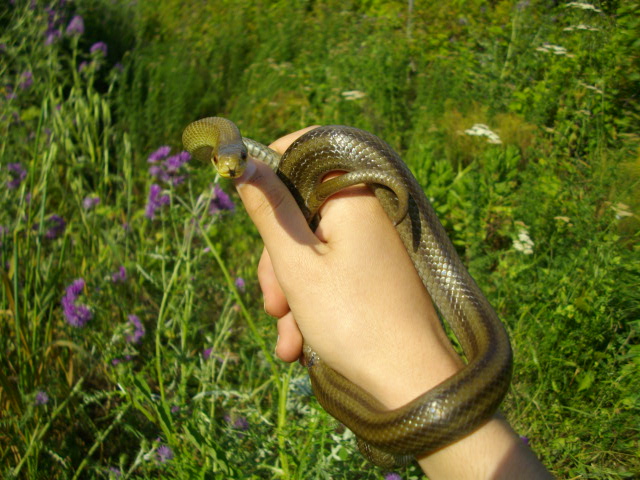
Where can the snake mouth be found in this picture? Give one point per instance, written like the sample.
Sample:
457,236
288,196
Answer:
230,172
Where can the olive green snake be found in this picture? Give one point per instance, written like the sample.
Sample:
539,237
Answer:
455,407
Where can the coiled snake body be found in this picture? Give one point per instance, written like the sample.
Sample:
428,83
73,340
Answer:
456,406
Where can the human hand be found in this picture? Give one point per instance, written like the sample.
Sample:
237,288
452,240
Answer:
349,289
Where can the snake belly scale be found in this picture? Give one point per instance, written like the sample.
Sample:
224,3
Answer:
456,406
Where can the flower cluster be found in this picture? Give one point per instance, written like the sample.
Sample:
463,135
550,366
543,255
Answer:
76,26
18,174
77,315
165,168
239,423
156,200
41,398
56,227
89,202
481,130
523,243
26,80
555,49
583,6
138,330
115,472
581,26
164,453
99,48
120,276
591,87
353,95
119,360
220,201
53,22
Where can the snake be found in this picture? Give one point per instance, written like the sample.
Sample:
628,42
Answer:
460,404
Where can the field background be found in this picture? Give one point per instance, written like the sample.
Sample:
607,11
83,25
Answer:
132,338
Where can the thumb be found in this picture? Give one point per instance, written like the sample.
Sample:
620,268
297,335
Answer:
275,213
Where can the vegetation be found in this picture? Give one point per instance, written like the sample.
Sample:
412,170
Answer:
132,338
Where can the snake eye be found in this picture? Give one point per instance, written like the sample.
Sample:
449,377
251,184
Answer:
243,155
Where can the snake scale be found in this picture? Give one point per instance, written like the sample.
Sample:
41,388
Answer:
456,406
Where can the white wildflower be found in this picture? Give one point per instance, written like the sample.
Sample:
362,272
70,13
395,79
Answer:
555,49
353,95
622,210
584,6
581,26
591,87
481,130
524,243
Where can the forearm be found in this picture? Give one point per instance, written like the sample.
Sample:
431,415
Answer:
494,451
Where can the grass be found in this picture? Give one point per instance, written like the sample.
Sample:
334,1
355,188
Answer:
547,221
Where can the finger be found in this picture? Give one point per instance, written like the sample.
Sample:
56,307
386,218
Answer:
283,143
289,347
275,302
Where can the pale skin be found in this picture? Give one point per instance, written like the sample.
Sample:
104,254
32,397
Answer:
351,291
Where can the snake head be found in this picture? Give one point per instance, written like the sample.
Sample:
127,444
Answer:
231,160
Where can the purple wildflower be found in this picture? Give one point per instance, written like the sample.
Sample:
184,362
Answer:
77,315
138,331
156,201
392,476
160,154
175,409
120,276
167,172
158,172
164,453
115,471
42,398
239,283
99,47
89,202
220,201
51,36
3,47
524,439
76,26
18,174
241,423
207,353
173,163
10,94
82,66
26,80
117,360
56,228
52,33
